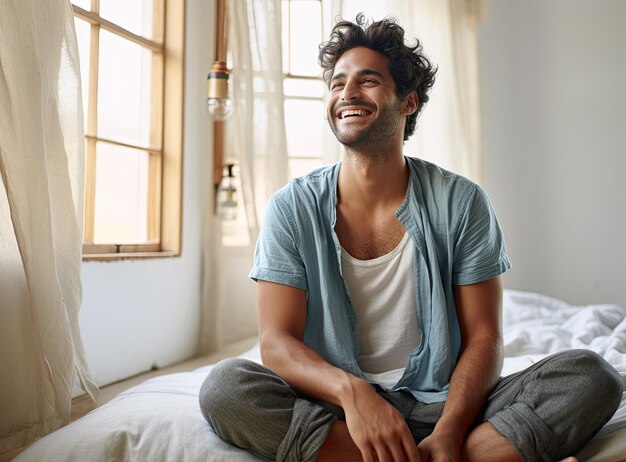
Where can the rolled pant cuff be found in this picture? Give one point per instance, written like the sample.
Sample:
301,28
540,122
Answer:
526,432
310,424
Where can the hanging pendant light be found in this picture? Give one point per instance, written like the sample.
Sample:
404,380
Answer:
219,104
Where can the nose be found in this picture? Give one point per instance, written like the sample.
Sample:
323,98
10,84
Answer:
350,90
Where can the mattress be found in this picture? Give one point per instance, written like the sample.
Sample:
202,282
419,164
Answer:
160,420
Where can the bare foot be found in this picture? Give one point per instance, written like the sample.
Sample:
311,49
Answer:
570,459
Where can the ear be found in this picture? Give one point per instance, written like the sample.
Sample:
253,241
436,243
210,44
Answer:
411,101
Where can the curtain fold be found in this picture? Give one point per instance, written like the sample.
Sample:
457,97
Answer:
41,219
255,139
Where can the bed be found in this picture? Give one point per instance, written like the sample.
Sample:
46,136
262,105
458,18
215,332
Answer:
159,420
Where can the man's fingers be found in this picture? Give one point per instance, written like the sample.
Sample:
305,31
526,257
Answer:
423,454
398,453
369,454
384,455
410,449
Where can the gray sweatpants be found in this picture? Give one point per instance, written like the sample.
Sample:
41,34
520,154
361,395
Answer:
547,412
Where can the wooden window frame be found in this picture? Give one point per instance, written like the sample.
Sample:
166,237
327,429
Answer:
292,76
165,163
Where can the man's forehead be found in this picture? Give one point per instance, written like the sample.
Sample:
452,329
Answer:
361,60
360,73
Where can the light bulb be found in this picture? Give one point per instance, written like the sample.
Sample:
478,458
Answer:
219,108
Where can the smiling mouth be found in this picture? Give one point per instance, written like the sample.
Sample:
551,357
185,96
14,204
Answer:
353,113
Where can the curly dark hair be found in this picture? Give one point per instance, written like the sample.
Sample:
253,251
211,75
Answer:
409,67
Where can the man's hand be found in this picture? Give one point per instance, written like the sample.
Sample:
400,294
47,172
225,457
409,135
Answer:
440,447
377,428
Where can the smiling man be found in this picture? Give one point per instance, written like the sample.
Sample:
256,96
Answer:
382,113
379,299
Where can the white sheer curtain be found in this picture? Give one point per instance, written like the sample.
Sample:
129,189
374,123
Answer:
41,213
448,130
256,132
255,138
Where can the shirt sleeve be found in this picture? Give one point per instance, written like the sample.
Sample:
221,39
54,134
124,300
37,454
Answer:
276,256
479,252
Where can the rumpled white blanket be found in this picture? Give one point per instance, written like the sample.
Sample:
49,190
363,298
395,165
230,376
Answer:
160,419
536,326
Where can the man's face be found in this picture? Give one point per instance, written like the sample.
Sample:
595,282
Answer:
363,108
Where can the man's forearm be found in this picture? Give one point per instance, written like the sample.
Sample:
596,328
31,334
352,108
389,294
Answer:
474,376
307,371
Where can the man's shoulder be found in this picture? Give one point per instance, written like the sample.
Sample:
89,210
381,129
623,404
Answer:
433,177
309,189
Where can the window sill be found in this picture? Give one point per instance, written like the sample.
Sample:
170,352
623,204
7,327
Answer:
128,256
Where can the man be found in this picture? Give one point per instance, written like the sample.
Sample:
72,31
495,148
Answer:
379,299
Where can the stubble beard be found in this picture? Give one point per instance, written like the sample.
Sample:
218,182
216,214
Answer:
370,141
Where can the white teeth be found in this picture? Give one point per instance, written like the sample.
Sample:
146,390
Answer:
357,112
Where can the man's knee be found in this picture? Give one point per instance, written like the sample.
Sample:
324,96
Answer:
249,406
601,379
222,391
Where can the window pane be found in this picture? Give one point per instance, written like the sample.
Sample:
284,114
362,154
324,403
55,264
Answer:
121,209
306,35
304,87
304,124
300,167
83,35
133,15
124,90
84,4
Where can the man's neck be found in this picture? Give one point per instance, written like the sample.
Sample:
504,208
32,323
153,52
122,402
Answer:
373,181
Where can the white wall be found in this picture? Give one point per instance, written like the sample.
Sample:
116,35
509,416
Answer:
553,84
137,314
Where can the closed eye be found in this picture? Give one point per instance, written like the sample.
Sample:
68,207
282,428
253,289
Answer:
337,86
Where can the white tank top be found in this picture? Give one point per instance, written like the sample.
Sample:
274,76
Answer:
383,295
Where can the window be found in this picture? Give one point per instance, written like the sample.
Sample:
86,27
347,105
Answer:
307,133
130,51
310,143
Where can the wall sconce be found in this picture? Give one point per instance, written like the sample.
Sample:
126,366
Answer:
218,102
227,201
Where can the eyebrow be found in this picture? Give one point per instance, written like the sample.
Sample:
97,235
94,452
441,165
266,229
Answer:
360,73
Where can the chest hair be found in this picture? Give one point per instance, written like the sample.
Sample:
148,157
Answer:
369,239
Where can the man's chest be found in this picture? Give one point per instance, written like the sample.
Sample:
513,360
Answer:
366,239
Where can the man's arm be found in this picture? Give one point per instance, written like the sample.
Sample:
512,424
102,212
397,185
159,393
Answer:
479,308
376,427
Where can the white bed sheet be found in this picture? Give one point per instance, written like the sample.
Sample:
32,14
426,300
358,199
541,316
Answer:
160,421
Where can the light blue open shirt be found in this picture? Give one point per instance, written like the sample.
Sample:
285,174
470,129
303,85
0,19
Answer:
457,241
